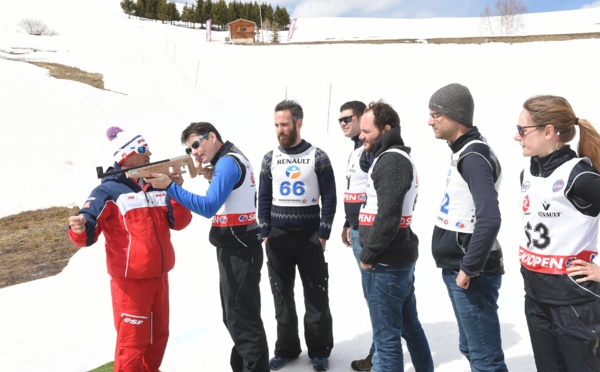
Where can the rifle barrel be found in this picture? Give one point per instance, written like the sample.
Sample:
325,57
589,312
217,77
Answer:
101,174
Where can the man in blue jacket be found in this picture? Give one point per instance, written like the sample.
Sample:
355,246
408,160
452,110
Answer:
230,202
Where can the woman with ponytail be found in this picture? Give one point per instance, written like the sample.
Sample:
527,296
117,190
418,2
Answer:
560,194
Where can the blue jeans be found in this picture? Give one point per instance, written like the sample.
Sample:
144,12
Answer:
390,294
476,312
356,248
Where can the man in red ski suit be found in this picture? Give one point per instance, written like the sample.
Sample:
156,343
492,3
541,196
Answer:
136,220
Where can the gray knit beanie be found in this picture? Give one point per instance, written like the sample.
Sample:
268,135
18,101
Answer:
455,101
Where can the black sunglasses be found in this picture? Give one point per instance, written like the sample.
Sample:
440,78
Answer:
520,128
346,119
196,144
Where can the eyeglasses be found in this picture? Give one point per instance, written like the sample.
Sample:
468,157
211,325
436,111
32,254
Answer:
140,149
434,115
196,144
346,119
520,128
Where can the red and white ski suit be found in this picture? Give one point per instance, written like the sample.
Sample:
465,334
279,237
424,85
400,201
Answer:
136,224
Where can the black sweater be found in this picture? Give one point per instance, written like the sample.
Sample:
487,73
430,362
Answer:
309,217
384,242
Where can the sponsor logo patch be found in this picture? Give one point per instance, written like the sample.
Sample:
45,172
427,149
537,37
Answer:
526,203
293,172
558,185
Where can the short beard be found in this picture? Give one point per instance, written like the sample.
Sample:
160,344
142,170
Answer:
290,140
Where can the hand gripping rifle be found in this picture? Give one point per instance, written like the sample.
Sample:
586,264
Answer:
167,166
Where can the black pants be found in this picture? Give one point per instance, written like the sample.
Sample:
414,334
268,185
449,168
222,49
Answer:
564,338
285,251
239,270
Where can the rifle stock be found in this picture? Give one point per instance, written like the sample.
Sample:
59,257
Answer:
167,166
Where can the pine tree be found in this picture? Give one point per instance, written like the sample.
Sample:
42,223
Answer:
128,7
200,15
275,34
245,11
161,11
232,12
219,14
140,8
281,16
172,12
255,13
187,14
207,9
267,15
151,9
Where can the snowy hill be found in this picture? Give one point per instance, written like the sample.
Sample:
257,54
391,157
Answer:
159,78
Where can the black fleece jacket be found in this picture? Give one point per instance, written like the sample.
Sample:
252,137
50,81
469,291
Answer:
384,242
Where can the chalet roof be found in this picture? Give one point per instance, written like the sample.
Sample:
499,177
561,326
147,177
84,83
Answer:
241,19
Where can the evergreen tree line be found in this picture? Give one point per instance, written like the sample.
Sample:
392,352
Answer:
199,12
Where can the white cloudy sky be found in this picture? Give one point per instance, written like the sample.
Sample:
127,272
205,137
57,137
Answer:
411,8
160,77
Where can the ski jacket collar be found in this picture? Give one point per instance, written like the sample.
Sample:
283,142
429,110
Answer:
471,135
544,166
298,149
357,142
225,149
391,138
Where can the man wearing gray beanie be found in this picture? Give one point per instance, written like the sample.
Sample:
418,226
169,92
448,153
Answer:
464,241
456,102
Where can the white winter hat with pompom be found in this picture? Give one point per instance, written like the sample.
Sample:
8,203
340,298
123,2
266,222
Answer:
125,144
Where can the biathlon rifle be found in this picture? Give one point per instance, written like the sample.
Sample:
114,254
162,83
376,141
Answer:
167,166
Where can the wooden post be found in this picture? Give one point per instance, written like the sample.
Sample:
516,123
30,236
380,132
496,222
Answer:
329,106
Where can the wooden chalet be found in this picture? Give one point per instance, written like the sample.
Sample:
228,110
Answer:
241,31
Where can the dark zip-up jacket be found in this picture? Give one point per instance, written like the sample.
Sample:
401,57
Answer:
480,251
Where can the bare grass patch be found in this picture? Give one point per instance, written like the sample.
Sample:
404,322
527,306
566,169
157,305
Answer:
34,245
73,73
